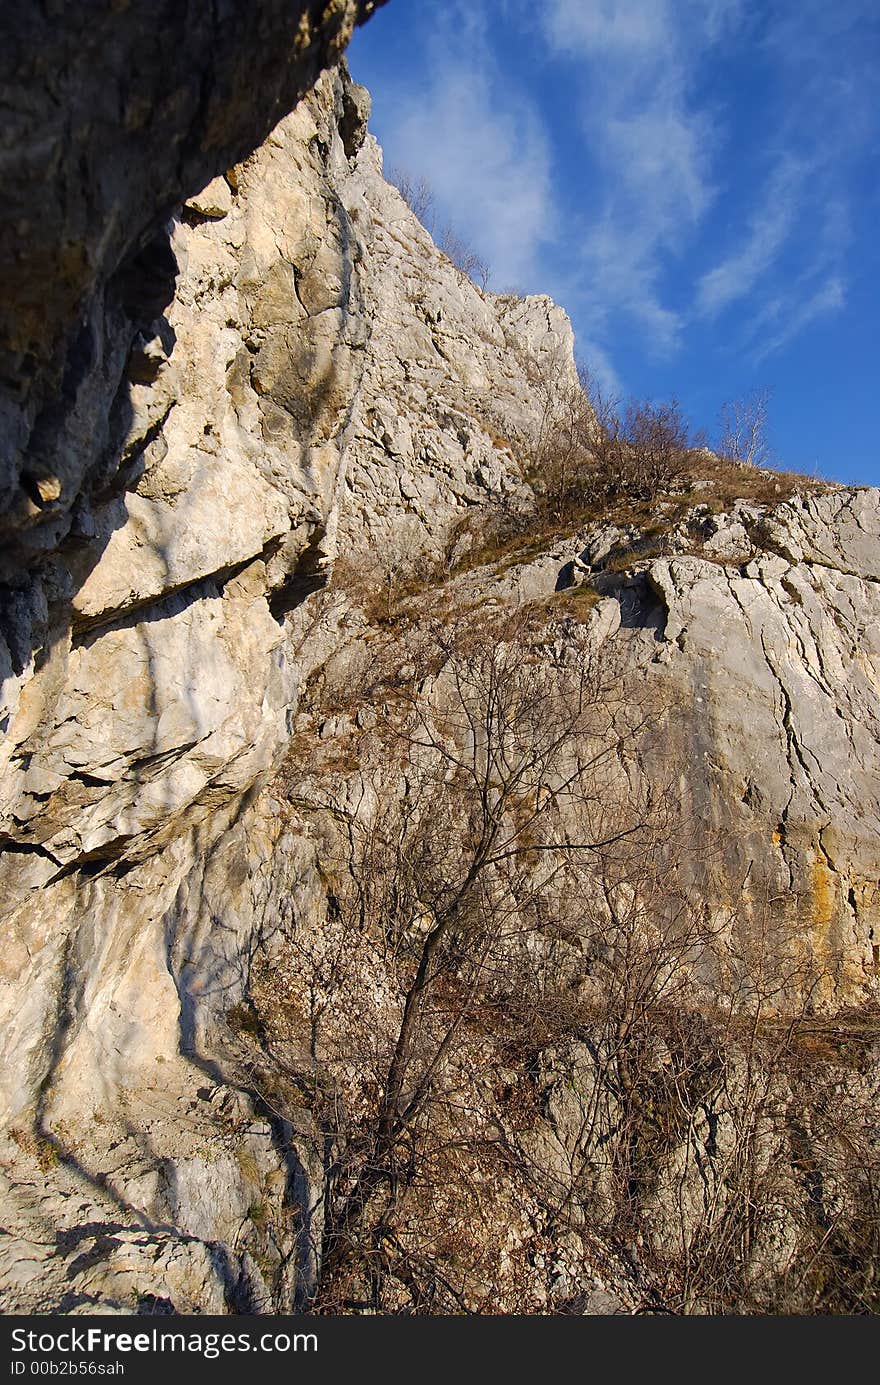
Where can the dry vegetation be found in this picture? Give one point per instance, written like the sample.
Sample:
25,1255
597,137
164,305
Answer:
535,1065
419,197
592,460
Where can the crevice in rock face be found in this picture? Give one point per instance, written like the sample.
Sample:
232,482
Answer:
297,589
15,846
637,596
310,575
87,629
144,285
41,490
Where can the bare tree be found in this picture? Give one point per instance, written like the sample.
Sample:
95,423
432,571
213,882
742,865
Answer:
557,452
657,453
744,430
608,440
419,197
520,1009
586,449
463,256
516,812
378,577
417,193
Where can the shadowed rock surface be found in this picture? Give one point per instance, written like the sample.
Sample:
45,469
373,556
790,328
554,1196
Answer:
115,114
151,666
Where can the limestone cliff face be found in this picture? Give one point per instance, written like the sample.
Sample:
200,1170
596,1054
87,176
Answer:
760,628
447,399
116,113
778,656
152,667
292,385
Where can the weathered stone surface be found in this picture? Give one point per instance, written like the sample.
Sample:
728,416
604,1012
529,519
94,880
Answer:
781,663
149,680
171,678
138,1115
214,201
749,686
116,115
291,387
774,659
447,404
164,494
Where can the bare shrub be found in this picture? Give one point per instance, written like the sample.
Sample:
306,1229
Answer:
558,450
378,578
463,256
657,452
608,461
497,869
417,193
525,1041
587,450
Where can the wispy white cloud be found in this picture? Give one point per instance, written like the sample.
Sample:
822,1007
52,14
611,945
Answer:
621,182
828,86
661,150
828,298
792,301
616,277
767,230
653,142
601,367
481,146
603,27
667,171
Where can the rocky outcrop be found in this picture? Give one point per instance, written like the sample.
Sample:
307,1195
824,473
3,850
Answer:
766,635
753,681
778,655
291,387
758,626
450,398
753,633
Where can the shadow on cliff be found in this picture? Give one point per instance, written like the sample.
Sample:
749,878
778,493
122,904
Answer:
48,561
133,306
211,973
211,970
208,961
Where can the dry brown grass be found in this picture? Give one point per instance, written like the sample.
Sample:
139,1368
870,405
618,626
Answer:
729,481
507,539
579,602
37,1145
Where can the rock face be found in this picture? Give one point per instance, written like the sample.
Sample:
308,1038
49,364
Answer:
761,627
755,680
215,428
150,677
120,112
779,657
288,390
447,400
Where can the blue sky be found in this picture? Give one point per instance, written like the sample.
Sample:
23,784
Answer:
695,181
